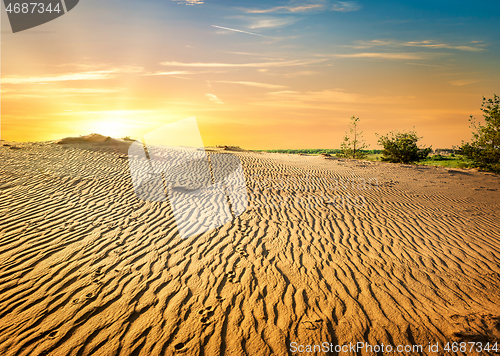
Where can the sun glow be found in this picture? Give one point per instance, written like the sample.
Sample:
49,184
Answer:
110,123
112,128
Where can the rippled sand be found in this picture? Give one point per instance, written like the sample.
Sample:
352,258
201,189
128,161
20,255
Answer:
328,250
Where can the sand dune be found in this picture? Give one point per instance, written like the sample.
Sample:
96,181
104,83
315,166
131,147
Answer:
328,250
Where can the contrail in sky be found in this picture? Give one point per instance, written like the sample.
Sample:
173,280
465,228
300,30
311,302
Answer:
232,29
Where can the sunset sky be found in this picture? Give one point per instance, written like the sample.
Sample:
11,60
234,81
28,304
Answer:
257,74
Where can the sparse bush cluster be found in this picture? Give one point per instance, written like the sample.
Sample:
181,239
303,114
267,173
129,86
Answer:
401,147
484,150
316,151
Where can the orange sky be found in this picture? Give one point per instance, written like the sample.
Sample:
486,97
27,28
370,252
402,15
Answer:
278,82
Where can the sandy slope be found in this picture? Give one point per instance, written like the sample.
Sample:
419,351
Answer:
88,269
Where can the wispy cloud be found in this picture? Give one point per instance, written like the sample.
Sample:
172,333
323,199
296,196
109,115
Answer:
460,83
271,22
235,30
341,6
432,44
90,75
114,112
330,99
300,8
380,55
425,65
51,92
214,98
58,78
345,6
189,2
435,44
263,21
304,72
297,62
332,95
172,72
253,84
175,73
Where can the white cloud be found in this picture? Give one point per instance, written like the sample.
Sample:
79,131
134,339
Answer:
380,55
214,98
299,8
345,6
460,83
271,22
341,6
173,72
189,2
50,92
330,99
432,44
297,62
58,78
333,95
425,65
253,84
89,75
304,72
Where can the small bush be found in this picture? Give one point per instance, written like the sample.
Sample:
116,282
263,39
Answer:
401,147
353,145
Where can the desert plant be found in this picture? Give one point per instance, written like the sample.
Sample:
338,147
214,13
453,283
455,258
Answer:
353,145
401,147
484,150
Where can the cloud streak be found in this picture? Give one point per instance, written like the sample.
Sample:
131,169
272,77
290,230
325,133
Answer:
214,98
345,6
380,55
425,65
340,6
459,83
302,8
253,84
248,65
235,30
271,22
59,78
189,2
173,72
90,75
57,92
431,44
333,95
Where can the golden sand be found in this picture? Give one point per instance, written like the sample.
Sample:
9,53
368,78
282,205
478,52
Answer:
328,250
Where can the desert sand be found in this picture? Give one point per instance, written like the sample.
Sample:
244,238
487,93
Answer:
328,250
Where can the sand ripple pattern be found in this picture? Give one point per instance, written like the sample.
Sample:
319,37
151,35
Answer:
86,268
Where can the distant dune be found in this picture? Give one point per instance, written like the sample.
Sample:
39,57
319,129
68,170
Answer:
85,139
329,250
95,142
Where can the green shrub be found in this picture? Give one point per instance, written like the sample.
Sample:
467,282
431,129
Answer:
484,149
401,147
